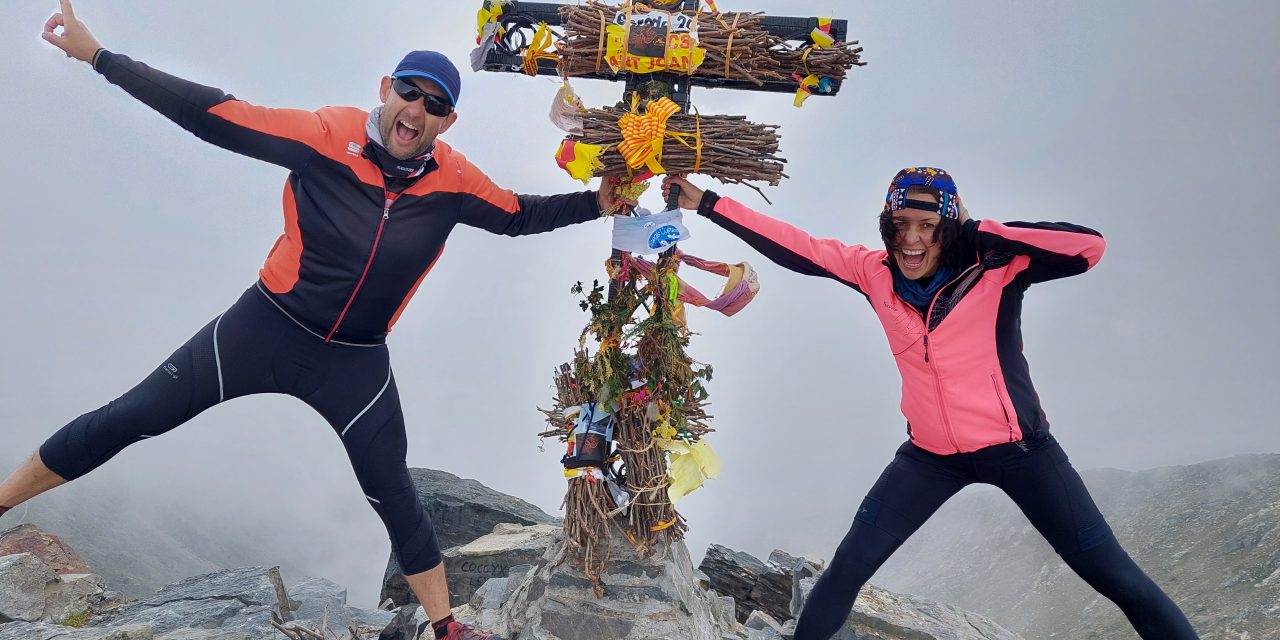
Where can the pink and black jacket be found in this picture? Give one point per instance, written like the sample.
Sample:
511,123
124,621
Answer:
965,382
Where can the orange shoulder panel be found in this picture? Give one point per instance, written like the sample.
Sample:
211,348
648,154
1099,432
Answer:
334,132
458,175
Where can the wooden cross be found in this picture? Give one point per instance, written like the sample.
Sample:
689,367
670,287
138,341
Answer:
524,17
527,15
657,34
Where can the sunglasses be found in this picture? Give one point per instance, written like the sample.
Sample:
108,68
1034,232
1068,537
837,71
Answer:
432,104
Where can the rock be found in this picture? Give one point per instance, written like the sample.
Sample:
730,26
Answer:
728,607
49,631
136,632
756,586
789,627
806,570
882,615
491,594
23,583
27,538
375,619
72,594
238,600
323,604
759,621
204,634
767,633
403,625
461,510
644,598
785,561
492,556
734,574
772,592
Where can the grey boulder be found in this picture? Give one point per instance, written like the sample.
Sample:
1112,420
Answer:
461,510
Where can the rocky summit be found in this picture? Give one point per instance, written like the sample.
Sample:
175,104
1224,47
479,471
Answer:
1209,533
539,597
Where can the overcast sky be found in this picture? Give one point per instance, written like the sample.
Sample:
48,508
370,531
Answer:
1152,121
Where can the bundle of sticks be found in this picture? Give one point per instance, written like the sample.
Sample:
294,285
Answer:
668,405
737,47
734,150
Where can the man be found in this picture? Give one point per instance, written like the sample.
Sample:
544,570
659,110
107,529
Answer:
368,204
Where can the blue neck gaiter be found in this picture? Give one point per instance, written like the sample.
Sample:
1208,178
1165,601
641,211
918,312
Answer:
920,293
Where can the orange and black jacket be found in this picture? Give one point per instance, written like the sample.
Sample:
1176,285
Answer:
353,250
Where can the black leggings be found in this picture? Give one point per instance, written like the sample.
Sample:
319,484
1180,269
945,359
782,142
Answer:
254,348
1040,480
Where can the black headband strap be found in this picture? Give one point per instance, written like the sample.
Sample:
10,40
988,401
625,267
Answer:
923,205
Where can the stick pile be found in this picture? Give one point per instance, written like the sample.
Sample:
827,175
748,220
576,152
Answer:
734,150
669,403
737,47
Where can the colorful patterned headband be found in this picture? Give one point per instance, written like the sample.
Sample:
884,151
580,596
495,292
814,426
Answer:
947,206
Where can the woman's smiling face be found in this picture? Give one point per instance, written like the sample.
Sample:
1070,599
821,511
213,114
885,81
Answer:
917,251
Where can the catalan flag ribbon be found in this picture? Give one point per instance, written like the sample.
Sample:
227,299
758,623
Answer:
642,134
538,49
579,159
821,35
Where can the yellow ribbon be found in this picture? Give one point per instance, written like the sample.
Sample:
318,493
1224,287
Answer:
537,49
663,525
807,85
728,49
643,135
489,12
688,465
821,36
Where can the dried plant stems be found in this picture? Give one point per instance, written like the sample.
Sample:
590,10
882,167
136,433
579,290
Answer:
733,149
737,47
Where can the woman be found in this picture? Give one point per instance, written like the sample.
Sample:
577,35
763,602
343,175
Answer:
948,291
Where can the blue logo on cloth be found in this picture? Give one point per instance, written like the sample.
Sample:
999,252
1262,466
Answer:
647,233
664,236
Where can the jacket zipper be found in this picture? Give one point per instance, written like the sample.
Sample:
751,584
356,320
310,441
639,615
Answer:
377,238
937,383
1007,421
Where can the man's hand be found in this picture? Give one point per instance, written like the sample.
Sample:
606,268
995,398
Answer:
75,39
607,196
690,196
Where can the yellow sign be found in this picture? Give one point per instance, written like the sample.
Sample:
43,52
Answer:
653,41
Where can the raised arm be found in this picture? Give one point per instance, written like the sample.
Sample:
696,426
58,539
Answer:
781,242
281,136
1056,249
487,206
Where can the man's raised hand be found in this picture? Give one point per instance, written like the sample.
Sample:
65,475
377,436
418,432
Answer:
75,39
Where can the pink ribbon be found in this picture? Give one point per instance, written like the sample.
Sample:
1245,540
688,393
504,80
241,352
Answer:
741,288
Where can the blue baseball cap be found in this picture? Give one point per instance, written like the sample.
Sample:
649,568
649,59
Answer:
433,66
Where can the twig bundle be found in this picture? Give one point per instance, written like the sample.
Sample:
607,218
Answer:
737,47
734,150
669,404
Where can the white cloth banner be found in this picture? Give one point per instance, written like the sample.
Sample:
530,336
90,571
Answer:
649,233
